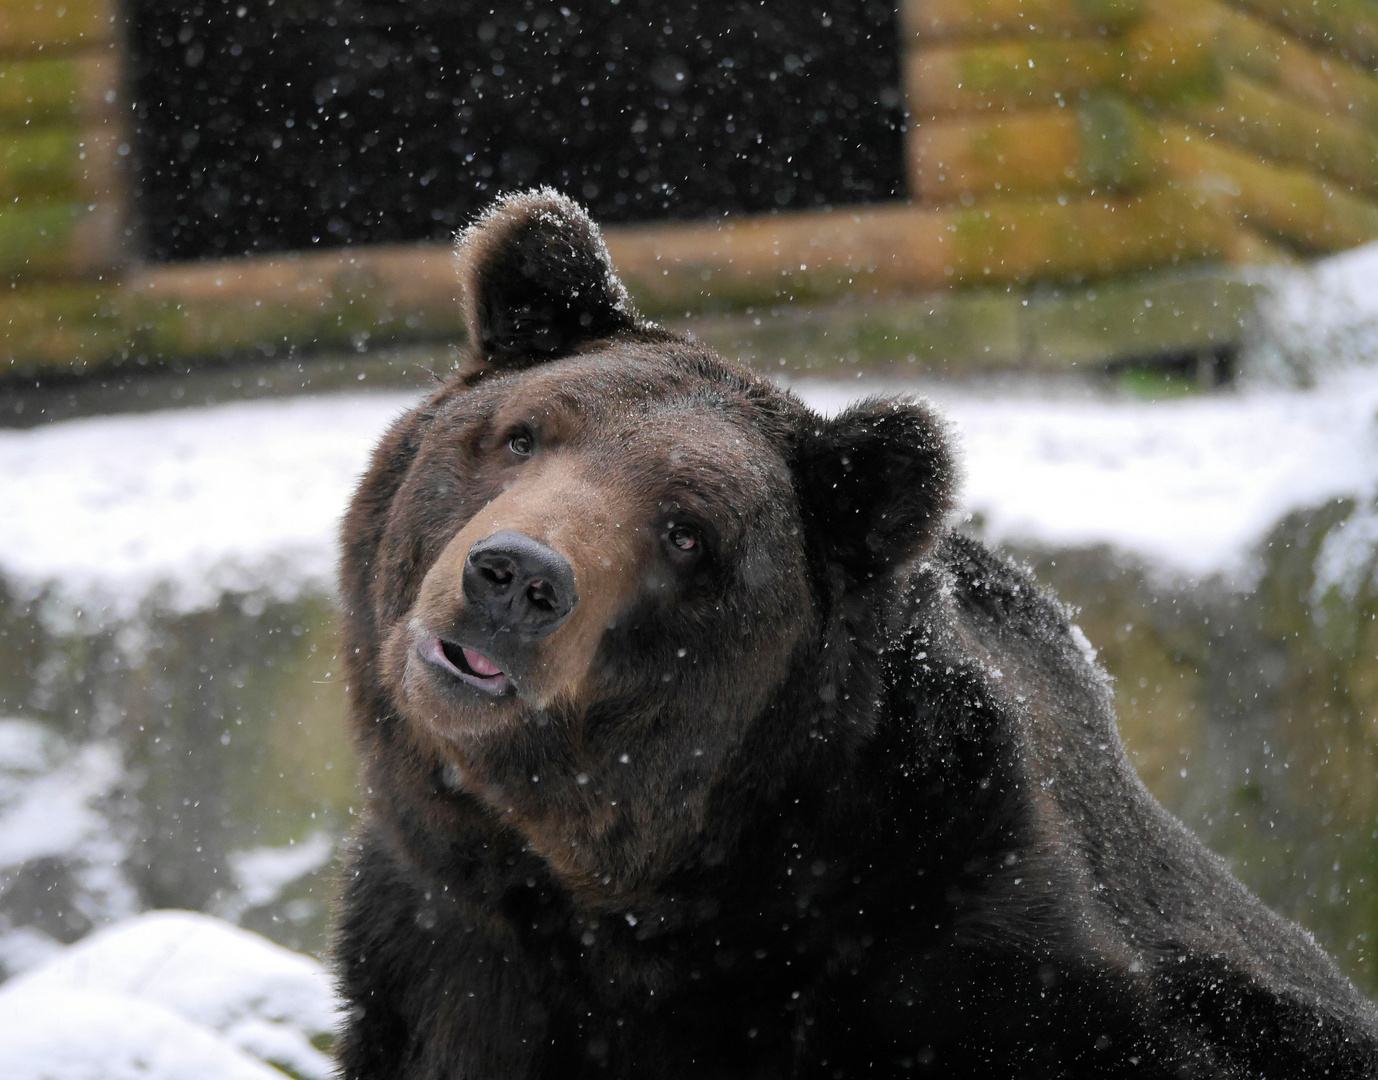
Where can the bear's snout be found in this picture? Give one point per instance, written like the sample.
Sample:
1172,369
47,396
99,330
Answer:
521,585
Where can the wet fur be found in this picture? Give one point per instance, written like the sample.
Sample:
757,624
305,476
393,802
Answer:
913,846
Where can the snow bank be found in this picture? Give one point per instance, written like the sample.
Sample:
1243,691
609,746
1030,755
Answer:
248,496
1319,319
1191,485
243,496
170,983
80,1036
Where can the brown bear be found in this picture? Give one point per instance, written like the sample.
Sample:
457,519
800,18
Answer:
696,745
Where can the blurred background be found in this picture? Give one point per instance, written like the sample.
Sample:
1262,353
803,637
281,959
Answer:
1127,245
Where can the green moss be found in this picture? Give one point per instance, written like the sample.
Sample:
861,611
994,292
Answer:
1036,69
41,90
47,161
1138,318
1349,27
1116,143
36,237
952,332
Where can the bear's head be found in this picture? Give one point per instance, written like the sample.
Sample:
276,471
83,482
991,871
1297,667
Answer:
584,577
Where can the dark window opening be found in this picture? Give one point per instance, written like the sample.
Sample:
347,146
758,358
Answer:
282,124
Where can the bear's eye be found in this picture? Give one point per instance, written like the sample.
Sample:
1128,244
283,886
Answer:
521,442
684,539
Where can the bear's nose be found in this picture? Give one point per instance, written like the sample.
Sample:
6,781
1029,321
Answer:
520,583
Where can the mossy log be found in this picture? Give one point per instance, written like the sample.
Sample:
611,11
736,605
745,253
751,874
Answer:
69,89
28,26
930,19
1270,124
802,256
1007,74
58,163
1288,202
1346,27
67,326
1261,52
1102,143
60,239
1157,58
966,331
337,298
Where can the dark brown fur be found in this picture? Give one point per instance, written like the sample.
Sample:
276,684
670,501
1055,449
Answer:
827,792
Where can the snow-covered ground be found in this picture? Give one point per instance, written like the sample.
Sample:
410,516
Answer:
248,496
168,995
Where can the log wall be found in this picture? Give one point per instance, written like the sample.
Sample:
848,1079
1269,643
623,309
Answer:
1050,143
1272,107
63,199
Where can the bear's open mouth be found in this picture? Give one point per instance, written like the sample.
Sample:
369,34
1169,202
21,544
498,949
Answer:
467,664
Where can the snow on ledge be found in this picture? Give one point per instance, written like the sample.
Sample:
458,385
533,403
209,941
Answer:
248,496
1191,485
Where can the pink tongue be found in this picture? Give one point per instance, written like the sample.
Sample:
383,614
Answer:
480,664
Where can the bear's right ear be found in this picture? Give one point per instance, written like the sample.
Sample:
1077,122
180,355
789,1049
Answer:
537,282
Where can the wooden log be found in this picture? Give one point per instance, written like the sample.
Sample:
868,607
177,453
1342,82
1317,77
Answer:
28,26
64,326
60,239
336,299
1276,200
1264,121
1007,74
72,89
970,331
58,163
1346,27
1261,52
1103,143
1199,310
938,19
1031,151
791,257
1156,58
1172,57
1088,237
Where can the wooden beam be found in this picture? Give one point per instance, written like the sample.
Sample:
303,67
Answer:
929,20
60,239
802,256
1259,119
58,163
1288,202
1102,143
30,26
1164,59
70,89
1346,27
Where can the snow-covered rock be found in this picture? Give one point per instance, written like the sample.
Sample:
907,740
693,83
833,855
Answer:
59,810
75,1035
236,988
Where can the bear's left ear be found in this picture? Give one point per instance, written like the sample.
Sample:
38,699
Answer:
874,484
537,282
